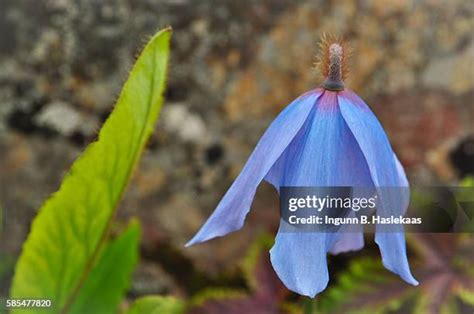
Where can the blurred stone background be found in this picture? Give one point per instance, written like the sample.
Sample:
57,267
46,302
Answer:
234,66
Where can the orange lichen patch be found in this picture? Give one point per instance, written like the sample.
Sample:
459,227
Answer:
333,56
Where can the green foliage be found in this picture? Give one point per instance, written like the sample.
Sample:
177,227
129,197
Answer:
111,275
265,293
465,201
157,305
365,287
251,259
443,268
468,182
67,245
249,267
466,295
220,293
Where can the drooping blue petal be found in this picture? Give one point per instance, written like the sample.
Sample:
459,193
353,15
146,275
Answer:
299,259
324,153
351,240
403,181
383,168
234,206
402,177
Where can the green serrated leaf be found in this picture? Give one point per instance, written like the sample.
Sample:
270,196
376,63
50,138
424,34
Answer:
69,232
449,307
423,305
157,305
104,288
358,290
466,295
265,293
468,182
263,243
216,294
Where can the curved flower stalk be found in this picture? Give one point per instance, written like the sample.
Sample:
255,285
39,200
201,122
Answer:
326,137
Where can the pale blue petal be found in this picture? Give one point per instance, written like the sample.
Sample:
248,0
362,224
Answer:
403,182
299,259
231,211
402,177
351,238
383,168
324,153
348,241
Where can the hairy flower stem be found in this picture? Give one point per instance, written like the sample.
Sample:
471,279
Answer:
333,79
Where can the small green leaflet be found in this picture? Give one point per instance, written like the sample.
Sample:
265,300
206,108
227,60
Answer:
70,232
103,290
157,305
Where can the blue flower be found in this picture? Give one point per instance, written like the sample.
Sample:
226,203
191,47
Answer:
326,137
